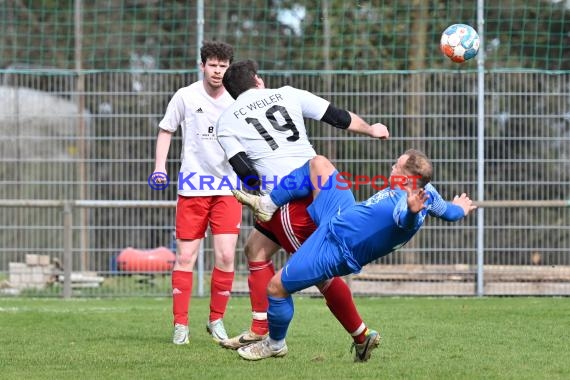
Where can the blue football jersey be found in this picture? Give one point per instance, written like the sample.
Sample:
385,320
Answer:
381,224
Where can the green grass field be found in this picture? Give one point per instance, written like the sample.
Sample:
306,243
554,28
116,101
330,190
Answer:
423,338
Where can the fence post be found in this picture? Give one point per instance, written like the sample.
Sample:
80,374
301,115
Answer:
67,248
480,291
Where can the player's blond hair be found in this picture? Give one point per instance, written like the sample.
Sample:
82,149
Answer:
418,165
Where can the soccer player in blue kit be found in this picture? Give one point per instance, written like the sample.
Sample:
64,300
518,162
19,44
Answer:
349,234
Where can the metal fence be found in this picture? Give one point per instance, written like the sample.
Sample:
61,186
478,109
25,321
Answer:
407,272
97,144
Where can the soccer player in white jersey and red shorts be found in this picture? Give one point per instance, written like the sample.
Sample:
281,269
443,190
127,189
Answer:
263,133
202,198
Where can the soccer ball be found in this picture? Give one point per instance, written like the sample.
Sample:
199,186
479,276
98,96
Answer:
459,42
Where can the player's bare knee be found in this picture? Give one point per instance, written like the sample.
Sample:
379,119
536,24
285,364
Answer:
185,259
257,253
321,165
272,289
225,259
276,289
323,286
320,161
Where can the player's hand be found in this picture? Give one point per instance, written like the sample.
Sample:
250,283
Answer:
379,131
464,202
416,200
159,176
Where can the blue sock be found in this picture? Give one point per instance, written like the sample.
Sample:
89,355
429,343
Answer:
295,185
279,316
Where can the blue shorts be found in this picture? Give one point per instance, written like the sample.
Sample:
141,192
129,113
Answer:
333,198
320,257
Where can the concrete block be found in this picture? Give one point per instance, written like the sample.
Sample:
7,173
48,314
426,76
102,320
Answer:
17,267
32,259
44,260
24,276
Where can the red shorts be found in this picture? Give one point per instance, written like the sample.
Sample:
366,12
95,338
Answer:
193,214
290,226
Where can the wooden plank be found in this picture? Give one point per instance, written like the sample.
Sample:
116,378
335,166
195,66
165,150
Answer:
412,288
527,288
441,288
462,273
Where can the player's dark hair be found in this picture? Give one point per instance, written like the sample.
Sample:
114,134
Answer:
418,165
240,77
218,50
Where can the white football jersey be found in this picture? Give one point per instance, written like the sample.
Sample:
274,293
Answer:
204,168
268,125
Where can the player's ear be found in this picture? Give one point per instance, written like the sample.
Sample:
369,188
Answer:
406,181
259,82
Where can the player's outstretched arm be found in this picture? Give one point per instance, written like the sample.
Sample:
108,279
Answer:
358,125
449,211
343,119
464,202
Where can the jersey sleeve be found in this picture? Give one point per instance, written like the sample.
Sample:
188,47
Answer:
406,219
174,114
228,140
441,208
313,106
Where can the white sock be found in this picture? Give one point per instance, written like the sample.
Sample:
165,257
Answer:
276,345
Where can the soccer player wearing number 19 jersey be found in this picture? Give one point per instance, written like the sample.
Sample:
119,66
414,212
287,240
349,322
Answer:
264,135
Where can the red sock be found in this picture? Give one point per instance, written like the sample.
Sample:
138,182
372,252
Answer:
181,293
340,302
220,291
260,272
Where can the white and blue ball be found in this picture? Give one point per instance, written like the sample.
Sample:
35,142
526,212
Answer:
459,42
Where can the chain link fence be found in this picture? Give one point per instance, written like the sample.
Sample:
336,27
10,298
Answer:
84,85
